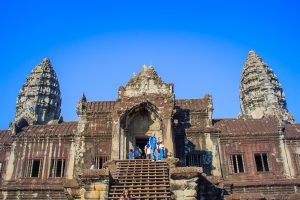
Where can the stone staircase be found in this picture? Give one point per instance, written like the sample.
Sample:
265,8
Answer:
145,179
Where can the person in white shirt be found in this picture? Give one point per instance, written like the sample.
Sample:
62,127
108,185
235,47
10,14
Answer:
93,166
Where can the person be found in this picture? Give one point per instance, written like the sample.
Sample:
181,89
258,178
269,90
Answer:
153,145
93,166
122,197
158,151
126,195
162,150
147,150
130,155
137,152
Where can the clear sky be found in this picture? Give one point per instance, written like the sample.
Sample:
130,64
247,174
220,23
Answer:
96,46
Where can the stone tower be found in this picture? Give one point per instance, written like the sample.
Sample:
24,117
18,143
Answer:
261,94
39,100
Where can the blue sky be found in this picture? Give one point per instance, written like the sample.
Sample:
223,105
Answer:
96,46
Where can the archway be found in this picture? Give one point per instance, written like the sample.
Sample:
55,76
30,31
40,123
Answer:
137,125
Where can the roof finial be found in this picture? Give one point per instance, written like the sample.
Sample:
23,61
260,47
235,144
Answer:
46,59
144,68
83,98
251,52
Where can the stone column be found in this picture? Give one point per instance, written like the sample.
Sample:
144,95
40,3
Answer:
115,151
283,153
71,161
10,163
168,135
211,145
122,146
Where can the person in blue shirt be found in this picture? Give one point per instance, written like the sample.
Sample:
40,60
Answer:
130,155
137,152
153,145
161,150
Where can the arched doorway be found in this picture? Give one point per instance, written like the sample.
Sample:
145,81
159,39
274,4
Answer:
138,124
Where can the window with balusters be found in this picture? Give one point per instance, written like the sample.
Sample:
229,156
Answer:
100,160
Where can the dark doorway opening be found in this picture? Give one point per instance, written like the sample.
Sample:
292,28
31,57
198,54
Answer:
141,143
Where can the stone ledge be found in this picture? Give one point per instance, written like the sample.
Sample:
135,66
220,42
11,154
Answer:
172,162
71,183
185,172
109,163
93,174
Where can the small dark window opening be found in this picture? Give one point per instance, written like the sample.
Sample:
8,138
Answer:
240,163
237,163
35,168
57,168
265,160
262,164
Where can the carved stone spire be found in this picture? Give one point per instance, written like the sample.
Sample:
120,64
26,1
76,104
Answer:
39,100
261,94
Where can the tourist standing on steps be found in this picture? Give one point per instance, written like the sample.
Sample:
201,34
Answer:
161,150
158,150
153,145
148,150
130,154
137,152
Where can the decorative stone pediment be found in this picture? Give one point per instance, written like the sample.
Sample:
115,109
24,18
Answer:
145,82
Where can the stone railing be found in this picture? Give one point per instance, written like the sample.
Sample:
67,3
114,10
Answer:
90,184
183,180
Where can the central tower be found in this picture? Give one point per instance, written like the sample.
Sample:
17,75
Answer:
144,105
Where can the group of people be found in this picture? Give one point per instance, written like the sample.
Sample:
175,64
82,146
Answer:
153,150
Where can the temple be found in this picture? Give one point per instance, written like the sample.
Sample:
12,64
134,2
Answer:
253,156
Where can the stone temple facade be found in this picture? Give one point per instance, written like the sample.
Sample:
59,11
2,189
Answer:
254,156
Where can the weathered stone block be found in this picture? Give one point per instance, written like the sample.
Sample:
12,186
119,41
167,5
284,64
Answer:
178,184
101,187
190,193
92,195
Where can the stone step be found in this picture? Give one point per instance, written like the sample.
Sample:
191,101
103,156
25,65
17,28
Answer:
143,170
143,189
153,166
142,163
143,175
158,183
138,194
160,197
144,179
140,168
140,186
